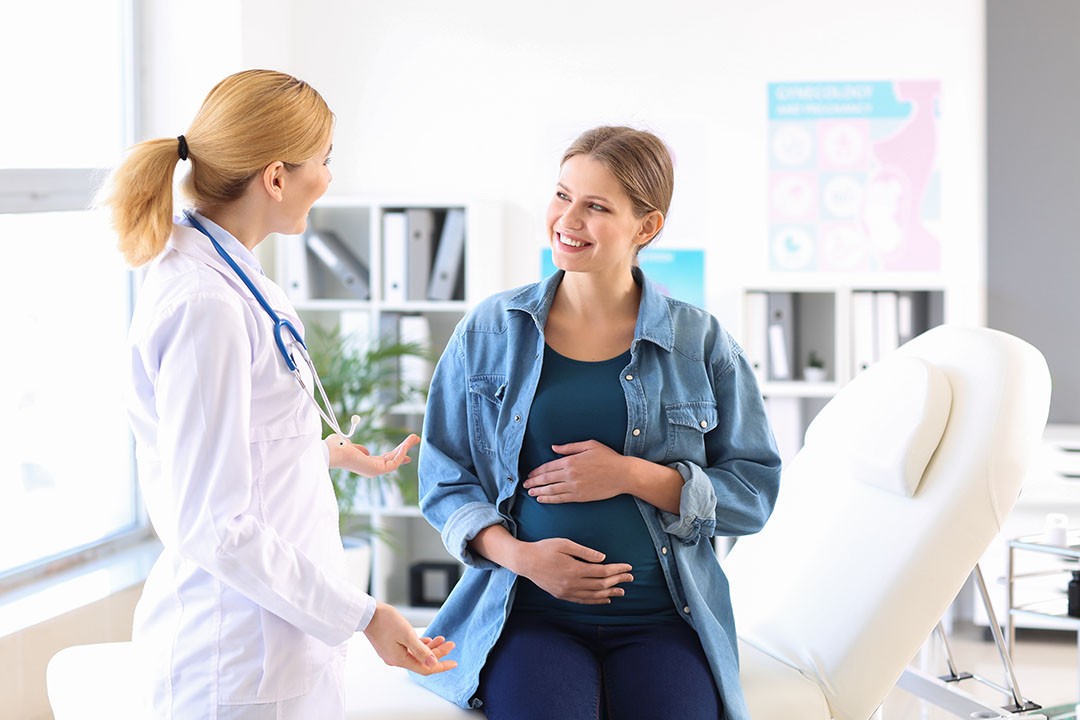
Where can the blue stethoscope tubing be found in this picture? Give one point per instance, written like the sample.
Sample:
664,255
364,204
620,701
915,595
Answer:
282,325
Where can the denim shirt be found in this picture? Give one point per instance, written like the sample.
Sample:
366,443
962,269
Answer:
693,404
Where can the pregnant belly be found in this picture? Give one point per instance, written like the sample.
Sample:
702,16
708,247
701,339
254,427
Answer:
614,527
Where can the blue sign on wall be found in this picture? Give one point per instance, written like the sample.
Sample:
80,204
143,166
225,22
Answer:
679,273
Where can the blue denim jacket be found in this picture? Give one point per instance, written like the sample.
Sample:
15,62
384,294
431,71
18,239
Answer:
693,404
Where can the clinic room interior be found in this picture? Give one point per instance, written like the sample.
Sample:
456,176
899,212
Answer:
456,114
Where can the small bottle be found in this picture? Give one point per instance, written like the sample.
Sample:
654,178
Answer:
1074,594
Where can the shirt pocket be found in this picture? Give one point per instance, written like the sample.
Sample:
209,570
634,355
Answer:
687,425
486,393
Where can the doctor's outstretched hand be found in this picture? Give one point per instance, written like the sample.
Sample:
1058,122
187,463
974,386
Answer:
397,643
356,458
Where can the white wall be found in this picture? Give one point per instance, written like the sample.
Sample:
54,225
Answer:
479,98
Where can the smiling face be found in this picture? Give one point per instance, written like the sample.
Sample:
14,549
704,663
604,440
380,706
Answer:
591,223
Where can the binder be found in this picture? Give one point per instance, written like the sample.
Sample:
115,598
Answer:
863,332
415,372
296,275
888,335
420,223
448,257
785,420
781,339
394,247
911,310
755,333
336,255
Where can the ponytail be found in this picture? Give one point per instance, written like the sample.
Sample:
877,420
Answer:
249,120
140,195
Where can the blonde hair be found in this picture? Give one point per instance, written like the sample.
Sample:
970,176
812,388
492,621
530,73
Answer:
639,161
247,121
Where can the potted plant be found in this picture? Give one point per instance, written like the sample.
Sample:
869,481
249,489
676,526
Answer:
363,379
815,368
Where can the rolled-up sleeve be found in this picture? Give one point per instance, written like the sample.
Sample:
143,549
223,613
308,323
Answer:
734,493
453,498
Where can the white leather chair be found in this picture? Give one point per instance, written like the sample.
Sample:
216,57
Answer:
904,479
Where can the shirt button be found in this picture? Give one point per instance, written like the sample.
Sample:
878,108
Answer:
686,609
663,550
704,424
517,418
629,377
637,431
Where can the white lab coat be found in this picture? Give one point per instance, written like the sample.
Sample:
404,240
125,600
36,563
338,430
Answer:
248,603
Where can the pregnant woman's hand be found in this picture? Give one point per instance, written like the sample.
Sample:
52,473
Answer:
569,571
587,471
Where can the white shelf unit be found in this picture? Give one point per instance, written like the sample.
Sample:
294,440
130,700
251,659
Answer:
322,298
820,316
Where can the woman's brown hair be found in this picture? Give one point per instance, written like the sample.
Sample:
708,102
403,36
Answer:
639,161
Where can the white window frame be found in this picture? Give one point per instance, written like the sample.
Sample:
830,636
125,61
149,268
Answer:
34,190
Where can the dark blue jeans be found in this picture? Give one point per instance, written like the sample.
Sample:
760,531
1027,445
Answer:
543,669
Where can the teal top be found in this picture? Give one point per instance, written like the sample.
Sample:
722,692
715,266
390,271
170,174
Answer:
575,401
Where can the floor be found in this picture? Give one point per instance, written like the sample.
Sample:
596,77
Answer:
1046,671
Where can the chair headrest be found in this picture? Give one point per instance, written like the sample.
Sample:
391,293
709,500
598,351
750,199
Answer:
884,426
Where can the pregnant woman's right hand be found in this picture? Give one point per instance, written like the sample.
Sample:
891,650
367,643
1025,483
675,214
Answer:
569,571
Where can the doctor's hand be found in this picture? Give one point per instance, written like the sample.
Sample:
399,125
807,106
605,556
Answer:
569,571
398,645
356,458
588,471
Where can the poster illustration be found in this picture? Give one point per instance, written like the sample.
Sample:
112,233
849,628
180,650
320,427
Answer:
854,182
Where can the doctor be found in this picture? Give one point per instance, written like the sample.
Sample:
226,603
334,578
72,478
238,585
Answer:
247,612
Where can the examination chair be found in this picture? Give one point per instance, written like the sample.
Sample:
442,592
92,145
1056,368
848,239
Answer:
904,479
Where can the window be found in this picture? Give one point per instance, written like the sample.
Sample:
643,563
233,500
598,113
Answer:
66,471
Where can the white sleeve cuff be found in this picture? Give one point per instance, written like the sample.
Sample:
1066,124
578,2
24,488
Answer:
367,611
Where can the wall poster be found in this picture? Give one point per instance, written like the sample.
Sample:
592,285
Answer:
854,182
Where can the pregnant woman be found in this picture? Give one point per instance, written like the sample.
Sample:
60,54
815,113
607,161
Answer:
585,438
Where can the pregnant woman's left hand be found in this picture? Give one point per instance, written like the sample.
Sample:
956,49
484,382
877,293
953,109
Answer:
587,471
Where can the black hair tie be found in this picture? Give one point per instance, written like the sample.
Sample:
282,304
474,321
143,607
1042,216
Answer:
182,150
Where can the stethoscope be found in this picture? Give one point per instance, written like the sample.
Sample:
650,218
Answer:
282,326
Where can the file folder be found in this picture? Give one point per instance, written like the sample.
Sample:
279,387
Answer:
420,223
755,334
394,249
781,307
415,371
296,275
863,340
888,334
448,256
337,256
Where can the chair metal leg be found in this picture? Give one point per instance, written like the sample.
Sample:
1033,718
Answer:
944,691
1019,704
954,675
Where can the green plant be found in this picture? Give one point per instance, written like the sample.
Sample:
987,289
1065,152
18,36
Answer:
815,360
363,379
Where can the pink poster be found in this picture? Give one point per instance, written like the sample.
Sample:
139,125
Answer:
854,182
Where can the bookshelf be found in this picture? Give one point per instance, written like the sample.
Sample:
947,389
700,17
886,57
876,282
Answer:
846,322
366,266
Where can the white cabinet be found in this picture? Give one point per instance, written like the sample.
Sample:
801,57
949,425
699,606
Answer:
410,268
